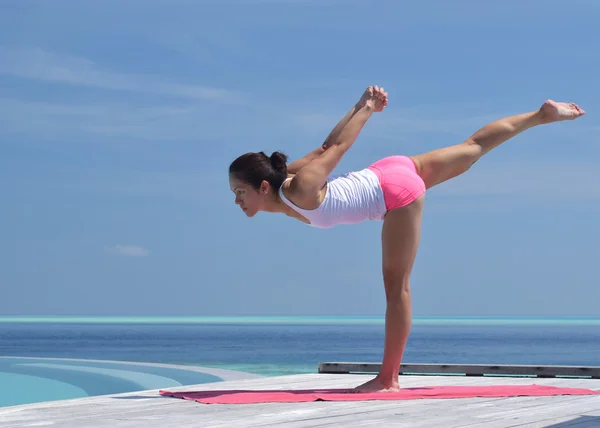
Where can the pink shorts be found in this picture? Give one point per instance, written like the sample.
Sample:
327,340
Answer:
399,180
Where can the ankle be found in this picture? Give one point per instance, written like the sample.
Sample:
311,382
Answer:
387,380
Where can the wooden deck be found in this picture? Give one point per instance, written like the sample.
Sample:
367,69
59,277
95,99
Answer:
148,409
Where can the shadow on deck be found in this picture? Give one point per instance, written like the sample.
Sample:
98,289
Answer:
580,422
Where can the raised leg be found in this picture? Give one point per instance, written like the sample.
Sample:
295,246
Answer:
440,165
400,240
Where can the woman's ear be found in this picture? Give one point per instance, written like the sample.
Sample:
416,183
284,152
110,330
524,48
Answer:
264,187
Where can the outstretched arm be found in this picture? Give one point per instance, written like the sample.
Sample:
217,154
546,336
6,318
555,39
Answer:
297,165
335,132
312,177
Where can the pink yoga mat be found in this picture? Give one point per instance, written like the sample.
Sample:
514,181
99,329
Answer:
304,395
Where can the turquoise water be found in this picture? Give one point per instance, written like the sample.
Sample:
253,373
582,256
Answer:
26,380
25,389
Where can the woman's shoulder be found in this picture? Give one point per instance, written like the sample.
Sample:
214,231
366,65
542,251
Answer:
299,196
285,186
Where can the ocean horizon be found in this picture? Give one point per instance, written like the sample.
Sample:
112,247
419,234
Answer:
309,319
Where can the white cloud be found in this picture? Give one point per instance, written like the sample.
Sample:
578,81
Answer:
37,64
196,121
128,250
110,120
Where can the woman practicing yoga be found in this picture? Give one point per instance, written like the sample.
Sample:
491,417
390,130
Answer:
392,189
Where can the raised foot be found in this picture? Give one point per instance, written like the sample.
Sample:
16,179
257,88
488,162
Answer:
375,385
553,111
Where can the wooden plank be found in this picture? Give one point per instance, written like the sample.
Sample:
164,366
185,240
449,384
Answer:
554,413
397,414
592,372
438,413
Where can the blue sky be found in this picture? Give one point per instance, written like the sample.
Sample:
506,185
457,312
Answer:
118,121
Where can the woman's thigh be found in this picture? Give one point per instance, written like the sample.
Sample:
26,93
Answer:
401,235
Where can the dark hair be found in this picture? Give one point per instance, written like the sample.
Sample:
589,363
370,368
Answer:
253,168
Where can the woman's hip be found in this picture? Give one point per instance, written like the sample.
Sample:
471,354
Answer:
399,179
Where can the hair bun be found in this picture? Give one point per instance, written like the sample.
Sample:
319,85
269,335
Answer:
278,161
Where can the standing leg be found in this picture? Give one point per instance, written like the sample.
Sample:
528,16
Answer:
400,240
443,164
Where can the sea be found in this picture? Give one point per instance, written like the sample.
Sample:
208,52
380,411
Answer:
52,358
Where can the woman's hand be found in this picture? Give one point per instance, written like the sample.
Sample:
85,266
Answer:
375,98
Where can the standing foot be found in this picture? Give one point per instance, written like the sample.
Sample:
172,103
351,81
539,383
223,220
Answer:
552,111
376,385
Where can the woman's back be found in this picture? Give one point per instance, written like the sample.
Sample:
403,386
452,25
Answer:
350,198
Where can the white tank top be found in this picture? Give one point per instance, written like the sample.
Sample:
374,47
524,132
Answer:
350,198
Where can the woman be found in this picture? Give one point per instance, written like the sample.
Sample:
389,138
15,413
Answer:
392,189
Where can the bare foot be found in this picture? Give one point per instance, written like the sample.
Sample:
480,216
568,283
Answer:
375,385
553,111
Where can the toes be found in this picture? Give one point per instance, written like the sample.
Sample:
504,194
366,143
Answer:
577,109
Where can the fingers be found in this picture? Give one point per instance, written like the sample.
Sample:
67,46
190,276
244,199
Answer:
382,95
376,91
379,94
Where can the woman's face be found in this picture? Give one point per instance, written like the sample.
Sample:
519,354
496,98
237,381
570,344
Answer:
250,200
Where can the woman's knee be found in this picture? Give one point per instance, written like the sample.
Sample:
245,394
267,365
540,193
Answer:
397,284
440,165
